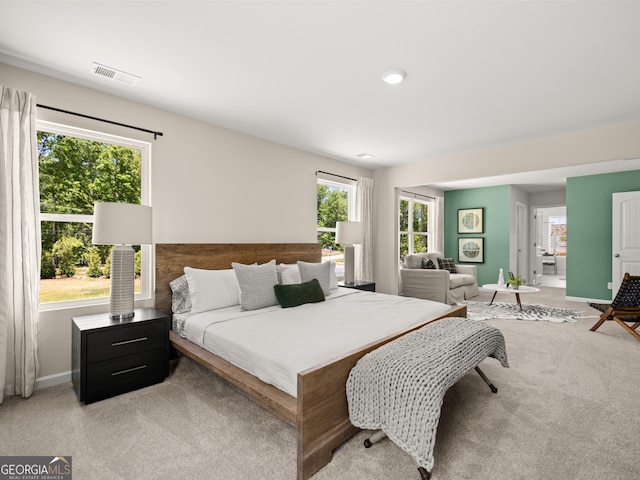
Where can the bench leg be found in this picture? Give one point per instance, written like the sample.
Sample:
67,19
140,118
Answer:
486,380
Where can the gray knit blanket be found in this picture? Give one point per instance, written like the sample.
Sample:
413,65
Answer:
400,386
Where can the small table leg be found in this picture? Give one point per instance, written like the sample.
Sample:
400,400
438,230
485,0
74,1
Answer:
493,298
518,300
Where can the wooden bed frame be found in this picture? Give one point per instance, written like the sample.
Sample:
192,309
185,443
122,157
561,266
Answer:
320,412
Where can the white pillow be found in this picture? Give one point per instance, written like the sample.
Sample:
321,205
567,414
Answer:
321,271
288,274
212,289
256,284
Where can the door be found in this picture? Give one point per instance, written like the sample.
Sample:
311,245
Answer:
522,234
625,237
538,249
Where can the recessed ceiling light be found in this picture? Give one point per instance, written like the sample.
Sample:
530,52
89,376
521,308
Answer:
393,77
365,155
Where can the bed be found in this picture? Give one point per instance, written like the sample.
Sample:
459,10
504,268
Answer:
319,410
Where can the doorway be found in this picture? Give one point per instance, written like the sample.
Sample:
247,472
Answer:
550,241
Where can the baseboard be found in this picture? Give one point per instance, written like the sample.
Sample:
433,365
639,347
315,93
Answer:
586,300
51,380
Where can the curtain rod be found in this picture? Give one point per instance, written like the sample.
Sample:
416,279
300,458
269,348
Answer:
334,175
155,134
417,194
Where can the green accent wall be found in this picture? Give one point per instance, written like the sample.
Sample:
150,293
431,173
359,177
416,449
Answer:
496,202
589,229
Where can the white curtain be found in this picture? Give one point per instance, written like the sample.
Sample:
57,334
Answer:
438,238
364,213
19,244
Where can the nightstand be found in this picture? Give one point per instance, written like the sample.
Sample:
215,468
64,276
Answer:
110,356
360,285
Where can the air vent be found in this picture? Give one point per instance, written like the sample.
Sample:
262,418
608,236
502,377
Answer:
113,74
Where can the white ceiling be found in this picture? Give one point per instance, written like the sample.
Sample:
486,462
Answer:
308,73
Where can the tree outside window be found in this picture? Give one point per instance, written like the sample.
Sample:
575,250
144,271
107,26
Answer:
76,171
414,226
335,204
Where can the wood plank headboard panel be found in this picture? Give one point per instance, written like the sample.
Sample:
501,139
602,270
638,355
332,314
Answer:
171,258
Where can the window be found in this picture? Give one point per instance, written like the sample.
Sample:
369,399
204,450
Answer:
76,169
336,203
414,226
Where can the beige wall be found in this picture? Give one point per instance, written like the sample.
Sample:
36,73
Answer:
597,145
208,184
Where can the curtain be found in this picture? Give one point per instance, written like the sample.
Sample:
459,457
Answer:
364,213
438,237
19,244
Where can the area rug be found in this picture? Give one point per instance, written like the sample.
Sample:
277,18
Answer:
484,311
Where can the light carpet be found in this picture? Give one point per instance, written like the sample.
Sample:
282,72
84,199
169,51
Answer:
511,311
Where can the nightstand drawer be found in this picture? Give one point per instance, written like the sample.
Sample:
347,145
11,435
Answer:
125,340
119,375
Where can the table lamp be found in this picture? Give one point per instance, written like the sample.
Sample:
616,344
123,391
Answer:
121,225
349,234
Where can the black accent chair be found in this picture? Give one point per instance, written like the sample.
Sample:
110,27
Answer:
625,308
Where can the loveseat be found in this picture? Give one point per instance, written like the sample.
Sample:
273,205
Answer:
438,283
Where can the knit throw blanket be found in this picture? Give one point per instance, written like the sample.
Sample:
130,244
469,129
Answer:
400,386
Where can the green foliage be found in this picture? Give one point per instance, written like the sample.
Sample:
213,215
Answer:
74,174
516,281
92,257
68,252
47,267
332,208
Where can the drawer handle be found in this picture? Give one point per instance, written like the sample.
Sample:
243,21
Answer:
125,342
128,370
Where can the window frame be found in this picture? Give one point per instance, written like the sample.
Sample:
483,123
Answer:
410,231
351,187
147,257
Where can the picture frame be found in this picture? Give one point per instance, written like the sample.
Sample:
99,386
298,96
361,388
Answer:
471,249
471,220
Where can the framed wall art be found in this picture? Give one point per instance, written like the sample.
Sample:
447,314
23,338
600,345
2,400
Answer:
471,249
470,220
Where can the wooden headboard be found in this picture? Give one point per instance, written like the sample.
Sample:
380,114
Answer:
171,258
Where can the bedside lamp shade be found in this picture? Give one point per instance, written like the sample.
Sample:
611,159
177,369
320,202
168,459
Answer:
122,225
349,234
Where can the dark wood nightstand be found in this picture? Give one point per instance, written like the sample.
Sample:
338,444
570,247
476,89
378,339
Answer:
360,285
110,357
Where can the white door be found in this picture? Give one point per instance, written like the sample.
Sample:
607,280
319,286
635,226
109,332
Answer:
538,249
625,237
521,240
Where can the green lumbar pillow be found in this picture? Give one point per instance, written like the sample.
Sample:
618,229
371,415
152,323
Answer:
299,293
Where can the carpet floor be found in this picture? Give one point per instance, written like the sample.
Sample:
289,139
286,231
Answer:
564,410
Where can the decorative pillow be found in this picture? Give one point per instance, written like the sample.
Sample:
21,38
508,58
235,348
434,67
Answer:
180,298
298,294
212,289
428,264
321,271
256,284
447,264
333,280
288,274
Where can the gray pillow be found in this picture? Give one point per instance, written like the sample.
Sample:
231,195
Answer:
180,297
256,284
320,271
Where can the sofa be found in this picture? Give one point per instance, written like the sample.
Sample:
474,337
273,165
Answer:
438,284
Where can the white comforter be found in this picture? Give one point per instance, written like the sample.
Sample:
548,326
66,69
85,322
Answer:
275,343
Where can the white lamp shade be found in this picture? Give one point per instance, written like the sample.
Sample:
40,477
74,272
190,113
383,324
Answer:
121,223
349,233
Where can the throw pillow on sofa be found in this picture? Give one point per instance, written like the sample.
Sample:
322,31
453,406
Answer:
428,264
447,264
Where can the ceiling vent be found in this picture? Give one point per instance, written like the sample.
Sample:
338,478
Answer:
113,74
